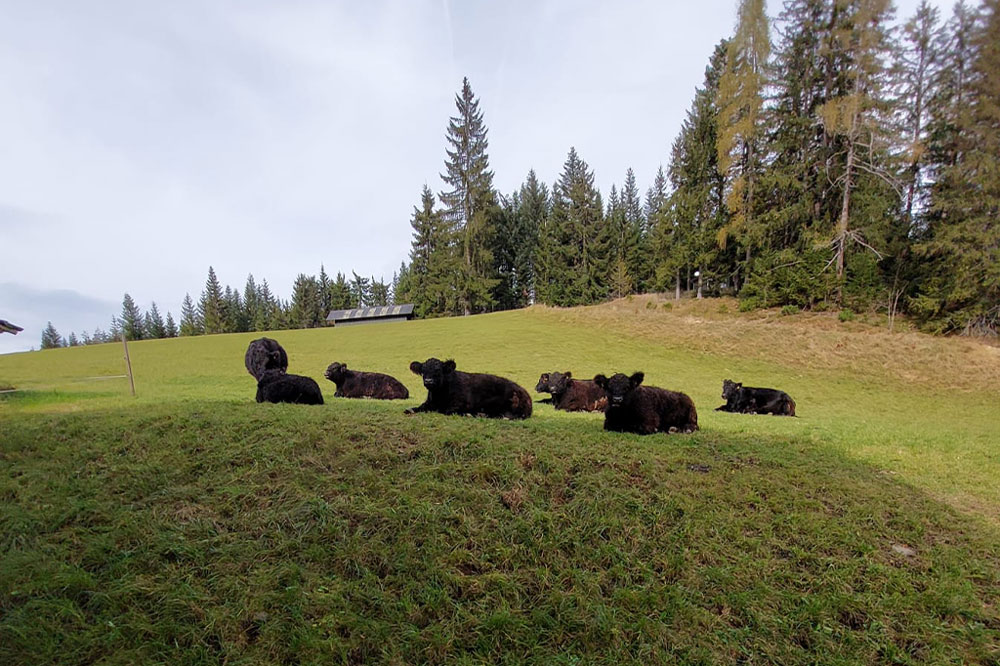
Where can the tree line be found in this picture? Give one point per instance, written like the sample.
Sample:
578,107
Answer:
228,310
849,164
835,161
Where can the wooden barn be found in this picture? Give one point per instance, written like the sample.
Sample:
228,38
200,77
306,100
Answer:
373,315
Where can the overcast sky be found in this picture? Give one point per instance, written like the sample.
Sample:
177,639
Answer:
141,142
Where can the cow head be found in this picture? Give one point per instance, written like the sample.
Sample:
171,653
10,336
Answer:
619,386
559,382
730,388
435,373
336,372
543,384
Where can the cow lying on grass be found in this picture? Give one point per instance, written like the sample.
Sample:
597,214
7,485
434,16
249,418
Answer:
278,386
572,395
645,409
356,384
749,400
450,391
265,354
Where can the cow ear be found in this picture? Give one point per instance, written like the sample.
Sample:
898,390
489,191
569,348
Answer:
343,366
601,381
739,385
449,366
637,378
417,367
568,375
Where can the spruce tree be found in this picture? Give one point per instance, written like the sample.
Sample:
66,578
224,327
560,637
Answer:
50,337
637,259
323,283
505,248
132,322
533,209
190,320
435,267
72,340
340,293
304,312
170,328
470,207
575,241
963,292
210,307
153,323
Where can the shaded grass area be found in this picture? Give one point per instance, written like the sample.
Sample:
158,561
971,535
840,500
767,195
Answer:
222,531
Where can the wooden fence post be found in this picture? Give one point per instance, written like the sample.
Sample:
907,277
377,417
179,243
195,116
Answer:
128,364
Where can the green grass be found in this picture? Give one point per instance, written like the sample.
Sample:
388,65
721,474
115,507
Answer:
191,525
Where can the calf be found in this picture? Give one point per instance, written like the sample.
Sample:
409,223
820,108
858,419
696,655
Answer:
645,409
278,386
572,395
355,384
265,354
450,391
749,400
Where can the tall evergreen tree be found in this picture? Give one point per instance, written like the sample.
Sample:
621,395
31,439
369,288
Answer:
963,292
638,260
50,337
916,70
534,207
153,323
360,291
305,309
324,283
132,321
340,293
190,319
471,205
434,262
170,328
575,241
210,307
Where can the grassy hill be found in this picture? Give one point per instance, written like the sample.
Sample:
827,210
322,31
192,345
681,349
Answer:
191,525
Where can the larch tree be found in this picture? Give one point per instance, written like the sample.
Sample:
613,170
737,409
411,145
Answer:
740,130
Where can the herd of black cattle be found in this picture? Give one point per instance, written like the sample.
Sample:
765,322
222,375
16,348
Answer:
628,405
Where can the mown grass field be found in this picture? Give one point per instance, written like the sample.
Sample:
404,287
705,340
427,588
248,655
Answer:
192,525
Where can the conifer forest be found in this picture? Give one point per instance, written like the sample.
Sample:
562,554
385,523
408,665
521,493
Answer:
834,157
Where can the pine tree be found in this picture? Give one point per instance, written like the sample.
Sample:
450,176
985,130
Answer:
190,320
638,260
740,130
402,285
340,293
153,323
50,337
210,307
534,208
434,262
304,312
916,70
267,317
72,341
505,249
360,291
378,292
697,203
131,320
575,241
963,292
324,284
170,328
471,204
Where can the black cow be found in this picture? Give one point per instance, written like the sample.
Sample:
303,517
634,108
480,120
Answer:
450,391
750,400
645,409
277,386
572,395
265,354
356,384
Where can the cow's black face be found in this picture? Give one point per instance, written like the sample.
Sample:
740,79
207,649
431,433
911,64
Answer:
730,388
619,386
335,372
435,373
543,384
559,382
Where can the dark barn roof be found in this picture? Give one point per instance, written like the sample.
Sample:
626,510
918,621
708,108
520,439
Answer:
384,312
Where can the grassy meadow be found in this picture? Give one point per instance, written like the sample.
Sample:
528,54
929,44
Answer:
191,525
